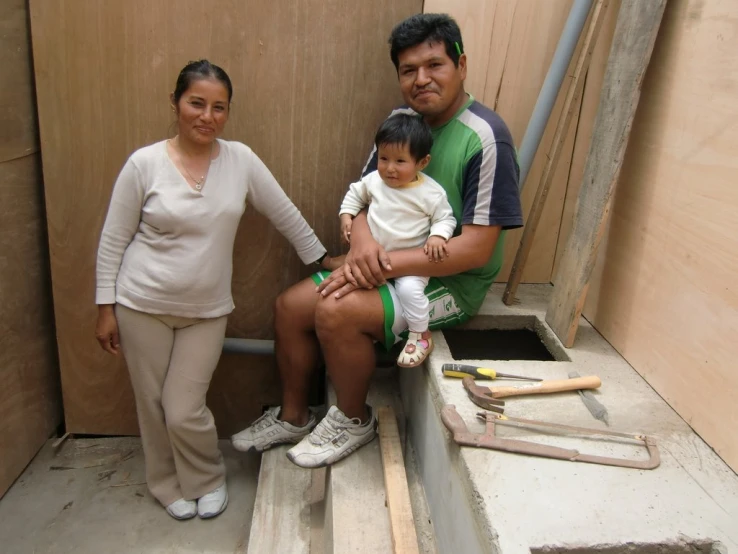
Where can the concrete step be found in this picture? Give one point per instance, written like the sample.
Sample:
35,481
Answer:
282,510
356,516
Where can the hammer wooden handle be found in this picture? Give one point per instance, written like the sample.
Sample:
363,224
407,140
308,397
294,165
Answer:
543,387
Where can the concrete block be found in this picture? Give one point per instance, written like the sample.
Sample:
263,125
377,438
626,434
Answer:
488,501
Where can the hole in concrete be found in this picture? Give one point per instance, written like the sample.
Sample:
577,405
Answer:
504,338
686,546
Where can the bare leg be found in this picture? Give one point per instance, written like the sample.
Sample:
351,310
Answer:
346,328
296,347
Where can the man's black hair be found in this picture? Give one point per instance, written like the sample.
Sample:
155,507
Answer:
407,129
426,27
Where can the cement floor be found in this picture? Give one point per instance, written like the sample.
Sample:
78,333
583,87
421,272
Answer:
88,497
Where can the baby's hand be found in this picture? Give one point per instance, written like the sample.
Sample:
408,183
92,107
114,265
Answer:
435,248
346,221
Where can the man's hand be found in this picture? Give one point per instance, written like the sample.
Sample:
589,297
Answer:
336,283
435,248
347,221
366,260
106,331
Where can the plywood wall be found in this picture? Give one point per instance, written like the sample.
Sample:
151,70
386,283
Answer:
664,291
509,45
30,399
312,81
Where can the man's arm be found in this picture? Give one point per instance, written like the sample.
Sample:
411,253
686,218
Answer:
471,249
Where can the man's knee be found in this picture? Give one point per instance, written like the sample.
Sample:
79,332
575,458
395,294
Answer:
354,312
295,308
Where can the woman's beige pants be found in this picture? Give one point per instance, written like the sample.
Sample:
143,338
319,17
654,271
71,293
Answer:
171,361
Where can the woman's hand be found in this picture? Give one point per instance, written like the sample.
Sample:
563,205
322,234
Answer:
333,263
106,331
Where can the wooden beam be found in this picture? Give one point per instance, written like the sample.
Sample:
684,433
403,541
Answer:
571,101
635,34
402,524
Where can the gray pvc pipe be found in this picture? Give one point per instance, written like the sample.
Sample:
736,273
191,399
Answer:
552,85
248,346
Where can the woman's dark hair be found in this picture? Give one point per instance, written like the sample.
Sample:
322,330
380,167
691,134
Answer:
407,129
426,27
200,69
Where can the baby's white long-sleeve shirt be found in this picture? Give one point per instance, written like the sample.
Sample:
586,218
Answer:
401,217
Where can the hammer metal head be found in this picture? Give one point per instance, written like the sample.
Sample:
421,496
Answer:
482,396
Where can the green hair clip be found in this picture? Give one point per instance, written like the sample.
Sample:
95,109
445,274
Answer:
458,48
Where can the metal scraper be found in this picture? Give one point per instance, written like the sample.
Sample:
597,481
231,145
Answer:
593,405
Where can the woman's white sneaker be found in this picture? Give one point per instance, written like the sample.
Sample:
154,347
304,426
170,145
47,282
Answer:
182,509
213,503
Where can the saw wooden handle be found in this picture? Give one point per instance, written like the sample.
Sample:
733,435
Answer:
543,387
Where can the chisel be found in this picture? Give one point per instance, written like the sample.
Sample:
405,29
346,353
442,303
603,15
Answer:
464,370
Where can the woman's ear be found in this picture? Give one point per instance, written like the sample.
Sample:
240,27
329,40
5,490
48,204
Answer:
172,102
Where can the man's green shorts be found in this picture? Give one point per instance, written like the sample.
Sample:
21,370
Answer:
443,310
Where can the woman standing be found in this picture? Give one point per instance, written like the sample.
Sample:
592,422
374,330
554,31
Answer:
164,271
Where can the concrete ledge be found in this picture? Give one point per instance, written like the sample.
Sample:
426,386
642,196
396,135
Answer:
488,501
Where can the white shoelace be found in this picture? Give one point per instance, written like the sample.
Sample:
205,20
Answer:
266,420
327,429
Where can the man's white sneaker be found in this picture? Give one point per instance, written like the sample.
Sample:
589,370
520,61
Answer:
268,431
182,509
213,502
334,438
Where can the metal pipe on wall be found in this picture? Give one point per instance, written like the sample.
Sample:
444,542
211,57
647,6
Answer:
551,85
248,346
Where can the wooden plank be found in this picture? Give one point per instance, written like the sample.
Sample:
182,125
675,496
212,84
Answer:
402,523
534,29
18,125
635,35
281,520
312,81
30,398
584,126
281,509
571,102
664,291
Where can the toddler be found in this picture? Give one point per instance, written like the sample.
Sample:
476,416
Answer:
406,209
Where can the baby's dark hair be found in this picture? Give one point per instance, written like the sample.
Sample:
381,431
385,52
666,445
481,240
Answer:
407,129
426,27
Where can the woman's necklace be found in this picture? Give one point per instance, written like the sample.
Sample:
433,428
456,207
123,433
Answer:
198,182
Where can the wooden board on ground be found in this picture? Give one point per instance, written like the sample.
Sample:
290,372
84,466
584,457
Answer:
30,399
312,80
635,34
281,520
402,523
664,291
